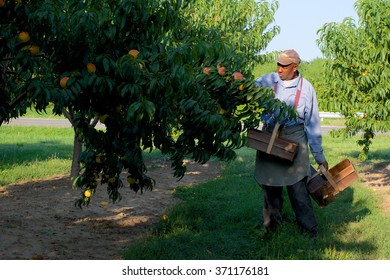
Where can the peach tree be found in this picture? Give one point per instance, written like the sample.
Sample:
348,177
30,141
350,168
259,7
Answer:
152,74
358,71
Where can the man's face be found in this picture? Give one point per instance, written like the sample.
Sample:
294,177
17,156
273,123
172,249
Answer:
287,72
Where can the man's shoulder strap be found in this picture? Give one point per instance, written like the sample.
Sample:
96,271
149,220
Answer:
297,94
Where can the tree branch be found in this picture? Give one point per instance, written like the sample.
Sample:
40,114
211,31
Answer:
7,58
68,115
13,104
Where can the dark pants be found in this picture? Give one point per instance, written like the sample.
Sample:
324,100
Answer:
300,202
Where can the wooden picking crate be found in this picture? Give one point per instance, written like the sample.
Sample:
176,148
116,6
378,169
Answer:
324,186
272,144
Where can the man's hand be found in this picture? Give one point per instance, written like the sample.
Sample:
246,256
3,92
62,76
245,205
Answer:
325,165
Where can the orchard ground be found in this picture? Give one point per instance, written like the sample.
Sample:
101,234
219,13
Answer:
40,221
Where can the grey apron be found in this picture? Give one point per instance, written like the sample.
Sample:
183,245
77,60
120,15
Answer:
271,171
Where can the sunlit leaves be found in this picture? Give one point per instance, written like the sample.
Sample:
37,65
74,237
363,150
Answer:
245,25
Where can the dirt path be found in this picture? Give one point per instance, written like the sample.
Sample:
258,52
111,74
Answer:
38,220
377,178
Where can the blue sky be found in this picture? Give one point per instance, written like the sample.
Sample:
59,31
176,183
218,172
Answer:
299,21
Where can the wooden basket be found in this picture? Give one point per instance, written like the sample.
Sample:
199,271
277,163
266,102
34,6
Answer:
324,186
271,144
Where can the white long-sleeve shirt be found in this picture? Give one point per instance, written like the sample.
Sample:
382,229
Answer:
307,109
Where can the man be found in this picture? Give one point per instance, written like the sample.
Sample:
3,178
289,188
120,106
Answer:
272,174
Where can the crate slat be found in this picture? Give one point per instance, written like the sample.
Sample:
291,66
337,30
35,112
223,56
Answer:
282,148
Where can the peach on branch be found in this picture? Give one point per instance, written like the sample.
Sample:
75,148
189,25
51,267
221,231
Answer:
134,53
221,71
87,193
34,50
207,70
24,37
237,76
64,81
91,68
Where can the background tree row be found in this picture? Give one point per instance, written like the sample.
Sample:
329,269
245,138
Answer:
357,70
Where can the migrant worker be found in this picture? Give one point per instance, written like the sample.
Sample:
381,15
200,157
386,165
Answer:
273,174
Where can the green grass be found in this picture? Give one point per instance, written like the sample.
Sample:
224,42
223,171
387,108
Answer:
28,153
332,122
221,219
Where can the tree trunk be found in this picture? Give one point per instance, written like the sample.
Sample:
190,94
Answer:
77,148
77,144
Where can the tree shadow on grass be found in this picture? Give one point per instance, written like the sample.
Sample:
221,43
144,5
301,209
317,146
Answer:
29,160
24,153
335,220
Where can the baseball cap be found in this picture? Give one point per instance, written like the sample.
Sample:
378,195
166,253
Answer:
287,57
